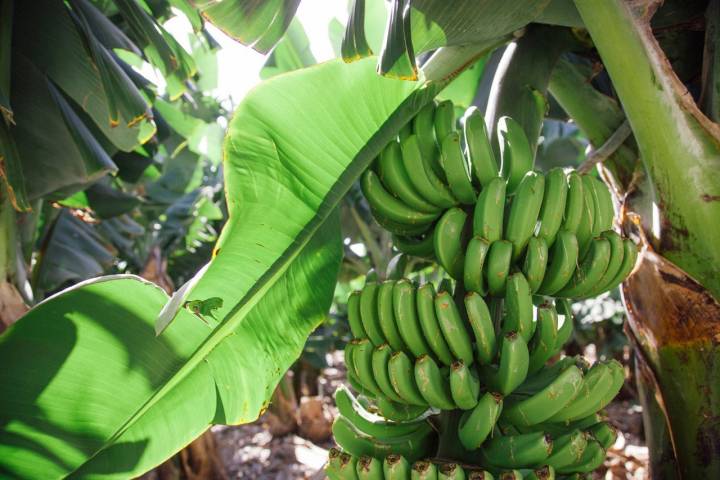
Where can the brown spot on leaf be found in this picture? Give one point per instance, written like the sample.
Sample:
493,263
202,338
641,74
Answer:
710,198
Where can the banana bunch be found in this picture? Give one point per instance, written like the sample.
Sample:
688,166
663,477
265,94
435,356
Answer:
481,221
556,230
467,374
417,352
523,456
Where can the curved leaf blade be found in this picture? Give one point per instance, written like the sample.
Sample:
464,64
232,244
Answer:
113,400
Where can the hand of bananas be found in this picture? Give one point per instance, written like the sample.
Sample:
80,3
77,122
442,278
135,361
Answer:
465,374
482,219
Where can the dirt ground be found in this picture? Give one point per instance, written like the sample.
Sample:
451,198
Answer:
251,452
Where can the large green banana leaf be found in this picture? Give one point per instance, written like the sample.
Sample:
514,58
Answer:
90,391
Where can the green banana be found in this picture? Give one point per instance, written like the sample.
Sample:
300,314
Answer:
451,471
397,228
332,469
606,210
568,449
562,263
518,307
516,157
464,385
524,212
498,266
453,328
455,166
574,204
584,232
563,308
349,361
404,306
347,468
490,210
598,380
542,346
541,379
371,424
422,175
402,377
591,193
479,150
396,467
553,204
369,468
592,457
476,424
423,470
429,323
517,451
390,207
590,270
412,446
604,433
448,241
601,216
433,385
617,251
475,253
546,472
444,120
353,306
424,129
513,368
482,327
393,175
369,313
386,316
423,247
362,354
535,263
528,411
355,383
618,375
399,412
380,359
630,254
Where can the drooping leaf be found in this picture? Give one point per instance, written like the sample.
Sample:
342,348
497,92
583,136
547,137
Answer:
124,98
72,252
53,44
108,201
47,124
354,44
255,23
105,30
397,57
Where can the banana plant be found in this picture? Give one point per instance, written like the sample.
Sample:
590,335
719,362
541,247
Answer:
112,399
